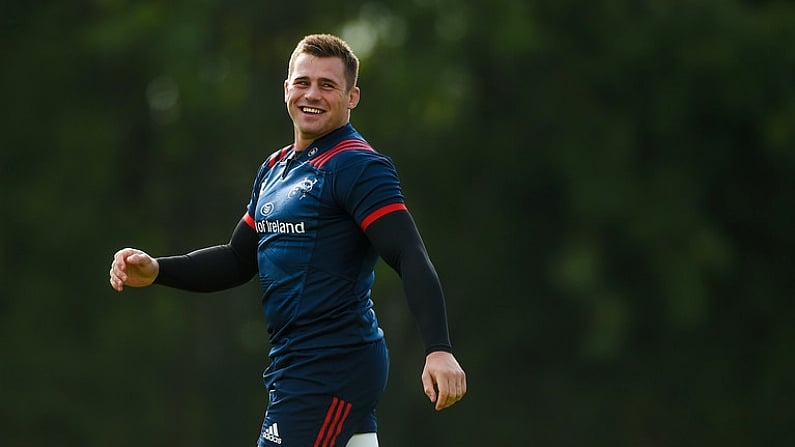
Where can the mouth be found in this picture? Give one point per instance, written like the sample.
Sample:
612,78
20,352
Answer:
311,110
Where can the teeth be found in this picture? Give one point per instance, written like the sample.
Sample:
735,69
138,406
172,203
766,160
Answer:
311,110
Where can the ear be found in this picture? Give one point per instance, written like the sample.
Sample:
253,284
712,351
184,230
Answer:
353,97
286,83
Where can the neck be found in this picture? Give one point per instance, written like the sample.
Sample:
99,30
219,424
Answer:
302,142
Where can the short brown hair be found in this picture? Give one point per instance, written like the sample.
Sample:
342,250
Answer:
327,45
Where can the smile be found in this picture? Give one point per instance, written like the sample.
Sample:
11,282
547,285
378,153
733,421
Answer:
311,110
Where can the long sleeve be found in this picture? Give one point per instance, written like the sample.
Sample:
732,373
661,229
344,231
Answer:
213,268
397,240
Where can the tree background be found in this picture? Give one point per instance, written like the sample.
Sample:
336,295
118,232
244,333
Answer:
605,188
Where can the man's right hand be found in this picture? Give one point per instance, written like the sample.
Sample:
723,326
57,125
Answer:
132,267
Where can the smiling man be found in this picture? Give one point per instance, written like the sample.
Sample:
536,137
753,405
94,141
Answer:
320,92
321,212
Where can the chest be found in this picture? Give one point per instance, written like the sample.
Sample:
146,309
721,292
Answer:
291,192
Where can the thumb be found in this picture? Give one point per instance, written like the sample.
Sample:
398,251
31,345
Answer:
428,385
137,259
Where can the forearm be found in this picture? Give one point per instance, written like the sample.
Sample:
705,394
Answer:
397,240
425,299
213,268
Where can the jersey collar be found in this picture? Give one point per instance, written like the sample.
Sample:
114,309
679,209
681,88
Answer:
328,141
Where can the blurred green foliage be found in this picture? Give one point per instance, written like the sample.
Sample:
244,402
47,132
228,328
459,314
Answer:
605,187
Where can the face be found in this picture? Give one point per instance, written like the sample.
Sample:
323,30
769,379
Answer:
317,97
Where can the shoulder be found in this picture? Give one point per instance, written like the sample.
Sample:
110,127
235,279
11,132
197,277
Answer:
276,156
349,153
271,161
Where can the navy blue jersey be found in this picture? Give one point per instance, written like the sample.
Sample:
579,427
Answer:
316,266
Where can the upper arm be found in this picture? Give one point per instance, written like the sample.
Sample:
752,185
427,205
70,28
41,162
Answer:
367,187
394,237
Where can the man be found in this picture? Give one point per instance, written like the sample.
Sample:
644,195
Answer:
321,211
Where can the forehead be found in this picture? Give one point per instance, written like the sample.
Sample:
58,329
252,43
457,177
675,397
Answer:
308,66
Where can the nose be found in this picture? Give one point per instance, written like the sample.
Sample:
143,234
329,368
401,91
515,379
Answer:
312,93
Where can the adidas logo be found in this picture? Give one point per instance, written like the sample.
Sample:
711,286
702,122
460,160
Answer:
272,434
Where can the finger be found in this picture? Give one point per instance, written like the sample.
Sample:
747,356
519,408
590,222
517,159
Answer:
117,268
128,255
116,284
427,384
443,400
456,391
118,271
121,255
460,388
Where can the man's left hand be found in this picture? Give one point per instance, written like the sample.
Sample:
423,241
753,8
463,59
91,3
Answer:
443,379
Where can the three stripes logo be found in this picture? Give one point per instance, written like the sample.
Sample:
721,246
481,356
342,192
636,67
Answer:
272,434
335,418
332,425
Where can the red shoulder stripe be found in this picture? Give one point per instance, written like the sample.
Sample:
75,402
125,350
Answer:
344,145
278,155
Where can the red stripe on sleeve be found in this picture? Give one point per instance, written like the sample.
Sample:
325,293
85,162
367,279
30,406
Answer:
381,212
250,221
